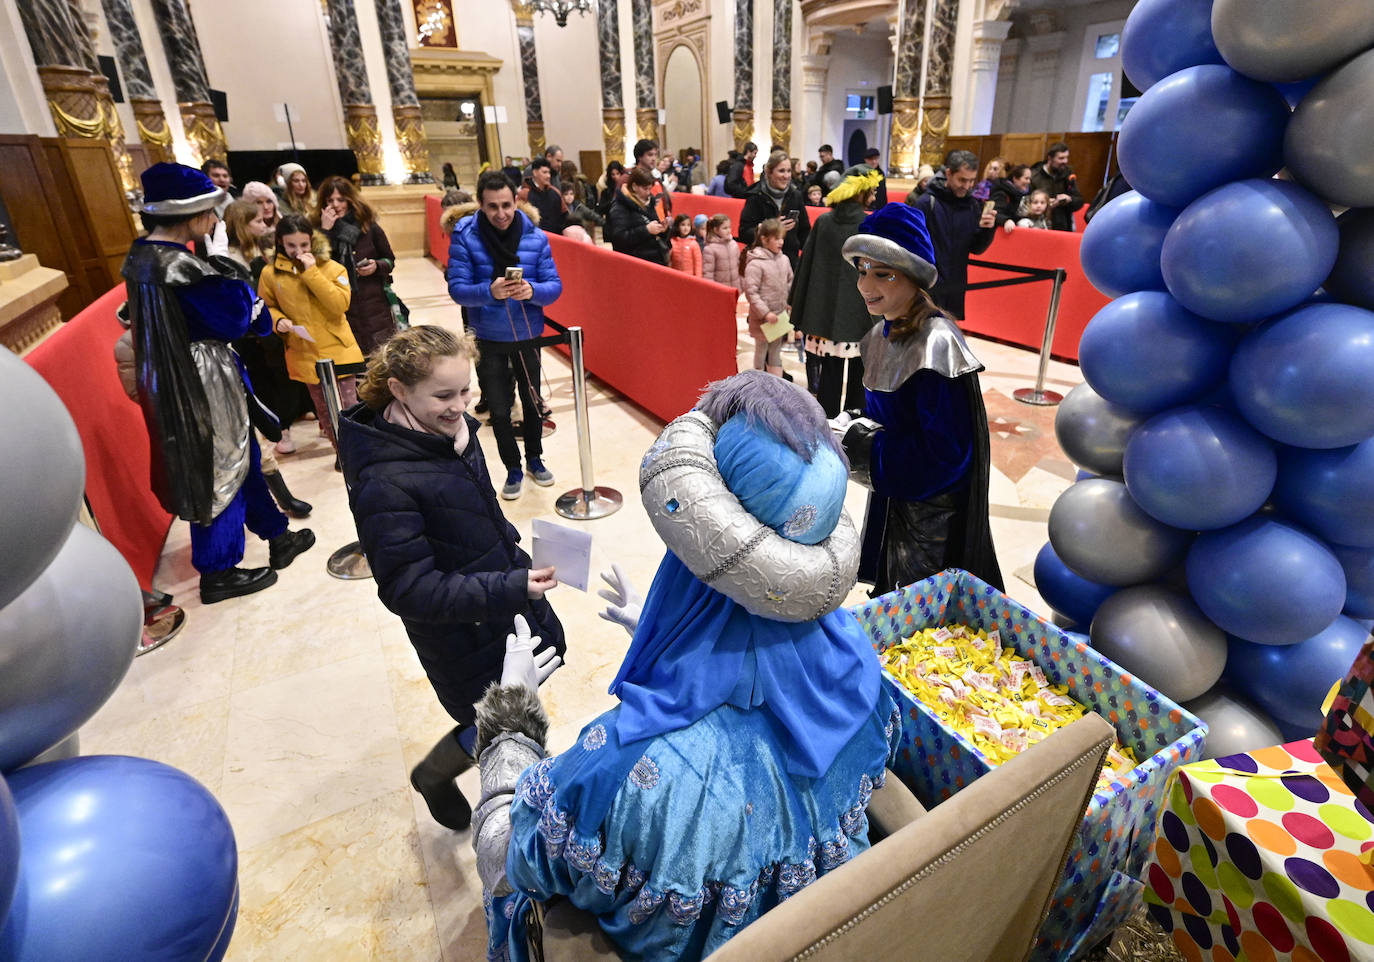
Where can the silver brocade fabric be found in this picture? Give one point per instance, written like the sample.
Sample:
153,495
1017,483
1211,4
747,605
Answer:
228,418
707,528
509,754
938,346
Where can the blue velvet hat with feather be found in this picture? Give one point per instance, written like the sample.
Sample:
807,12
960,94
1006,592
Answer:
696,650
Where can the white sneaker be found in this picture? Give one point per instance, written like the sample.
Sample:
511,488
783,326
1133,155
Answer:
286,445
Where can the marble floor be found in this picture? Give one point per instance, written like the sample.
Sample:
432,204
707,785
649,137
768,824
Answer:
303,707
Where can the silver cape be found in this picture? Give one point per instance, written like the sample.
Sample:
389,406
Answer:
705,526
938,346
228,418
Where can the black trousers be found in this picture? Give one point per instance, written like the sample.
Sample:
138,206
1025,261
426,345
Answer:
825,377
497,370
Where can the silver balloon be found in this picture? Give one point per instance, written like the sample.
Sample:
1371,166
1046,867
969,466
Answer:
1329,143
1352,279
68,747
1093,431
1102,535
42,475
1233,724
65,644
1286,40
1159,635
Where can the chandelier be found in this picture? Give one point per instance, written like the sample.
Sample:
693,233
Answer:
561,8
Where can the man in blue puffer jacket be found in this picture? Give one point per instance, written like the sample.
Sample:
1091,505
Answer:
506,315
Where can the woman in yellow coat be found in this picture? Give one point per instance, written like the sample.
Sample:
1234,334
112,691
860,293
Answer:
308,295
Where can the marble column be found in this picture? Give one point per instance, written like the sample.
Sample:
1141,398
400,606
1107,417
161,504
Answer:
939,68
743,114
182,46
355,93
114,127
815,69
405,105
781,127
149,118
906,90
988,36
646,90
612,93
529,73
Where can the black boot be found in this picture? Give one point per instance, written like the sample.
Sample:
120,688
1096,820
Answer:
282,549
294,507
433,778
222,585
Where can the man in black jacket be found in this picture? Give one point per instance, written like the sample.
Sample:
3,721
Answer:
1055,177
741,175
828,163
958,228
544,197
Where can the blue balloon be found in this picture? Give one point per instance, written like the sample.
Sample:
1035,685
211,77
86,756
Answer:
1146,352
1248,250
1298,89
1199,468
1290,682
1073,596
1305,378
222,946
1266,581
1164,36
1331,492
1358,564
1121,247
1200,128
9,850
122,857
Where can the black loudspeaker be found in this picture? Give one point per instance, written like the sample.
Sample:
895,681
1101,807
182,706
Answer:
221,104
885,100
107,67
722,111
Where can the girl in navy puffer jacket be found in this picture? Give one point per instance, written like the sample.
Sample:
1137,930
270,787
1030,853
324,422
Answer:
444,557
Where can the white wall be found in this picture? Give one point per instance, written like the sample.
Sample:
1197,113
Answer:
569,82
858,62
261,52
1062,112
489,26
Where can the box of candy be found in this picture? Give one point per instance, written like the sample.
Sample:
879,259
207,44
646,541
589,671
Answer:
1101,886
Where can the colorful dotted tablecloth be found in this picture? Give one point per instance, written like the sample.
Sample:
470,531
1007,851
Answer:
1257,859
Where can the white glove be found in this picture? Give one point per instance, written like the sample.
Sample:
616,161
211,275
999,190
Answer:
840,424
523,665
626,604
218,242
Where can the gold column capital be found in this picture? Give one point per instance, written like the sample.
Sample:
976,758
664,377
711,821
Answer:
646,120
153,132
780,129
414,145
934,129
613,133
906,134
365,140
743,127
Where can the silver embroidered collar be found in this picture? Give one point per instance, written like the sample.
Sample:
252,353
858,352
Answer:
938,346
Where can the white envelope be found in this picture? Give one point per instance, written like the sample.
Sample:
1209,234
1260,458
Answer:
569,550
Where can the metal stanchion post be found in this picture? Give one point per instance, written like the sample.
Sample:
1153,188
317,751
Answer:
1038,395
347,563
589,501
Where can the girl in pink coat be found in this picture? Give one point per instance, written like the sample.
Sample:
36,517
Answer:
720,258
767,283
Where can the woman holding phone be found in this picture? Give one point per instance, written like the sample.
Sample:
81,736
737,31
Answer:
361,246
775,195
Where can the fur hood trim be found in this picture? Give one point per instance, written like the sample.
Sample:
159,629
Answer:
452,215
510,708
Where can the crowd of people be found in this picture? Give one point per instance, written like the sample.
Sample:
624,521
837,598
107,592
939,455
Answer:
285,273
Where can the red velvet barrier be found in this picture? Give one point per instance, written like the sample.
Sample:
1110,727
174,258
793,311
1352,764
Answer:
655,335
436,239
693,204
78,361
1017,314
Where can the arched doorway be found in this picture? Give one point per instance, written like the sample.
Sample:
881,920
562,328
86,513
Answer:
682,99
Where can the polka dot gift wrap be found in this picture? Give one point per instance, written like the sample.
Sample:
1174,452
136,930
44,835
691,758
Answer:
1100,886
1258,858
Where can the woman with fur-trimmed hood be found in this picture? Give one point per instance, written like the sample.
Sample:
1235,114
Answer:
308,295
